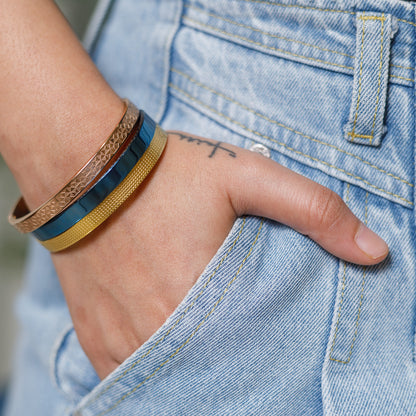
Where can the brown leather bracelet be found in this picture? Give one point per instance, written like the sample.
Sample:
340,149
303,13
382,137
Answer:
26,221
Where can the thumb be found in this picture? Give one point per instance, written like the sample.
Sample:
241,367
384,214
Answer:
265,188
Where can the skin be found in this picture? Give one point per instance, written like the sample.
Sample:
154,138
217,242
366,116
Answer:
127,277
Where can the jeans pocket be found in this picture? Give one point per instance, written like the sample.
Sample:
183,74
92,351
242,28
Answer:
74,374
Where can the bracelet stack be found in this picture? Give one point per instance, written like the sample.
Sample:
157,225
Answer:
107,180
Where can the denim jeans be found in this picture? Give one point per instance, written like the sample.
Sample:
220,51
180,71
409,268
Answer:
274,325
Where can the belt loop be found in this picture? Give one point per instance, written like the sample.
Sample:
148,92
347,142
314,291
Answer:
372,61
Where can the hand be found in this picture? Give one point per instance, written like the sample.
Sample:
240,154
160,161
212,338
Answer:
146,257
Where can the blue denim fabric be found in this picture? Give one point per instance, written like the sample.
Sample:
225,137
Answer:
274,325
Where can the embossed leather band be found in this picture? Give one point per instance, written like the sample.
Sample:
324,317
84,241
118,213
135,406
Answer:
120,194
26,221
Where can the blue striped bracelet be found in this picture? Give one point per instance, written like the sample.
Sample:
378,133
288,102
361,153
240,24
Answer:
104,186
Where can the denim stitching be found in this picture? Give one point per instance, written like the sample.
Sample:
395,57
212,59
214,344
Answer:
288,39
361,301
289,128
362,136
196,22
403,78
379,78
359,84
265,33
271,35
363,17
219,300
215,29
134,364
407,21
315,8
362,286
403,67
297,6
342,291
288,147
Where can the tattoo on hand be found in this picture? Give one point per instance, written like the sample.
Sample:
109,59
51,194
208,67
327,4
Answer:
216,146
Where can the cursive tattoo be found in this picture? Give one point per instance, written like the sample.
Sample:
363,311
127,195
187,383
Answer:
215,146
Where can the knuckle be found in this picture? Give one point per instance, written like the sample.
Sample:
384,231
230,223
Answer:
326,209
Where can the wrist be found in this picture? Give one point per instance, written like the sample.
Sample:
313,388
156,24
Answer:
56,108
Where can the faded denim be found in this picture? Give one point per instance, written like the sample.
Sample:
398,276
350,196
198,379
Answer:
274,325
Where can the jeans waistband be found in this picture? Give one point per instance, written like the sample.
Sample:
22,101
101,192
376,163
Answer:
294,27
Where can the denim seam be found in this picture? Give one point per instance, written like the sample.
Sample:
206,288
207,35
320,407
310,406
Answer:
271,35
403,67
363,17
359,84
188,308
403,78
219,300
283,51
290,148
289,128
342,290
314,8
359,306
407,21
215,29
297,6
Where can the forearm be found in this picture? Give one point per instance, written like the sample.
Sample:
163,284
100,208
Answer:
55,108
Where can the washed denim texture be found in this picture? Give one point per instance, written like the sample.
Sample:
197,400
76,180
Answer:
274,325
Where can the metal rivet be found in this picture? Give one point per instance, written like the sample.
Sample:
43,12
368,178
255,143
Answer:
259,148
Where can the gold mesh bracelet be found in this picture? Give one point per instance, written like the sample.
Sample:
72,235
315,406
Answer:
120,194
26,221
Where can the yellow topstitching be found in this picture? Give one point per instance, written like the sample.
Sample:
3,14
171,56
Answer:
213,28
288,39
314,8
342,291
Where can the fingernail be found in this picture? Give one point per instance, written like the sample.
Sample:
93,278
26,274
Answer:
370,242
